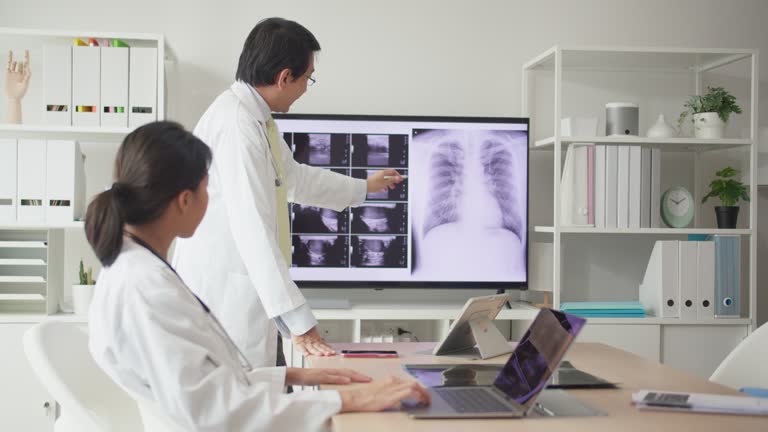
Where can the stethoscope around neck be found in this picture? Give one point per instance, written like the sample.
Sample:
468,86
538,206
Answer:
278,175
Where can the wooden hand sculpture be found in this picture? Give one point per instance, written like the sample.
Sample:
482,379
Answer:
17,76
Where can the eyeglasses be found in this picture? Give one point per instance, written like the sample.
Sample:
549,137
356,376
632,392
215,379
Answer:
310,80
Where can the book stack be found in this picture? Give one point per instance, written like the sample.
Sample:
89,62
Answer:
627,309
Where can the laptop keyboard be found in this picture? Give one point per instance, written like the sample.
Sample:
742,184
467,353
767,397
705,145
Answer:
472,400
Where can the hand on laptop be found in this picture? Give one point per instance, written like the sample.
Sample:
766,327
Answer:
382,394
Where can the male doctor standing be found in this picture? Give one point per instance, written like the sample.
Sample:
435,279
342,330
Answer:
238,259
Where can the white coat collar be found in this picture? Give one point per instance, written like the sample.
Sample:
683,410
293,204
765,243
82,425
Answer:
252,101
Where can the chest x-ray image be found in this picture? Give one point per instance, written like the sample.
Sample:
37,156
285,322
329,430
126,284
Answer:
320,251
316,220
468,204
380,218
380,150
399,193
379,251
320,149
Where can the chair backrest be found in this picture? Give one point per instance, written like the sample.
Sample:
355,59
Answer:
90,401
745,366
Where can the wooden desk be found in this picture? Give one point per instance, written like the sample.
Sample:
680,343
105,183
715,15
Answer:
633,372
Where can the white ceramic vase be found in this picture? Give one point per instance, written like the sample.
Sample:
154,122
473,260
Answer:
661,129
81,298
708,125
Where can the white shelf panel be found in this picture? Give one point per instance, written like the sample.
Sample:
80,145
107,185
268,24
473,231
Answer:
74,34
638,58
670,144
661,231
60,132
22,245
40,227
670,321
21,297
21,262
22,279
415,312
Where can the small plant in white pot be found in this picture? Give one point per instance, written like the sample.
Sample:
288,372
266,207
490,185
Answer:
710,112
83,293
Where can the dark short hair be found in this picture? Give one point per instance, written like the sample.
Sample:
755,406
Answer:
154,164
273,45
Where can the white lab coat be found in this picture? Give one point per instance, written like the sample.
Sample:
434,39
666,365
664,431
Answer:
233,262
151,336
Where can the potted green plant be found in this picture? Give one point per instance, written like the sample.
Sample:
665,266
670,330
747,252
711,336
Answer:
83,292
710,112
730,191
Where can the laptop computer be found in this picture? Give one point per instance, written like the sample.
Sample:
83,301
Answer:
567,376
519,383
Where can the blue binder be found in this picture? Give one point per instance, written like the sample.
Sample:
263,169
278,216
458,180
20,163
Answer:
727,276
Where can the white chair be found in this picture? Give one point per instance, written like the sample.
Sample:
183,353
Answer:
745,365
90,401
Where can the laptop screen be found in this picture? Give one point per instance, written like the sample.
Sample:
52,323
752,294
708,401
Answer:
538,355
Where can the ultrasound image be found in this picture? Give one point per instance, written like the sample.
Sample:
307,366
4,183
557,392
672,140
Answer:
316,220
379,251
380,150
320,251
321,149
382,218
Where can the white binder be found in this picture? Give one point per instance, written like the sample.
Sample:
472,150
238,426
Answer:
645,189
30,175
600,186
57,84
660,290
655,188
689,252
705,288
65,182
7,181
574,208
635,175
611,185
622,188
142,86
86,75
114,87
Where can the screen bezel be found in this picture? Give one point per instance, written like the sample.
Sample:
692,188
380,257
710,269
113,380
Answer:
521,285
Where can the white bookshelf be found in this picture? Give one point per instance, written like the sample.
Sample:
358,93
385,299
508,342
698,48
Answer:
33,255
569,80
670,144
655,231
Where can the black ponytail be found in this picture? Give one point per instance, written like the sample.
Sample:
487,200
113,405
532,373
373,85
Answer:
154,164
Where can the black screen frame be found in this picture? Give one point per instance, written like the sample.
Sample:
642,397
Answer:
522,285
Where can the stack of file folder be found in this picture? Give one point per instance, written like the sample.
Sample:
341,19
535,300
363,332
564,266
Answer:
630,309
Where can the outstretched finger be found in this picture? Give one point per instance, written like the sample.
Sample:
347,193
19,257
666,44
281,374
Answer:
10,60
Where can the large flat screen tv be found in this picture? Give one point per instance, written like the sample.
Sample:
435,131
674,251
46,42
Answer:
459,220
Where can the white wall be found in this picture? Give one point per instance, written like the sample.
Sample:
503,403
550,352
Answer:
431,57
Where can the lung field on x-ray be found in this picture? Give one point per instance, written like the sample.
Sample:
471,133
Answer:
498,165
446,185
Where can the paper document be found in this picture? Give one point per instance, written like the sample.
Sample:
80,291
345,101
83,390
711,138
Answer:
700,402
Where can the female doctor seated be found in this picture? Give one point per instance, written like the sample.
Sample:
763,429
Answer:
151,334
